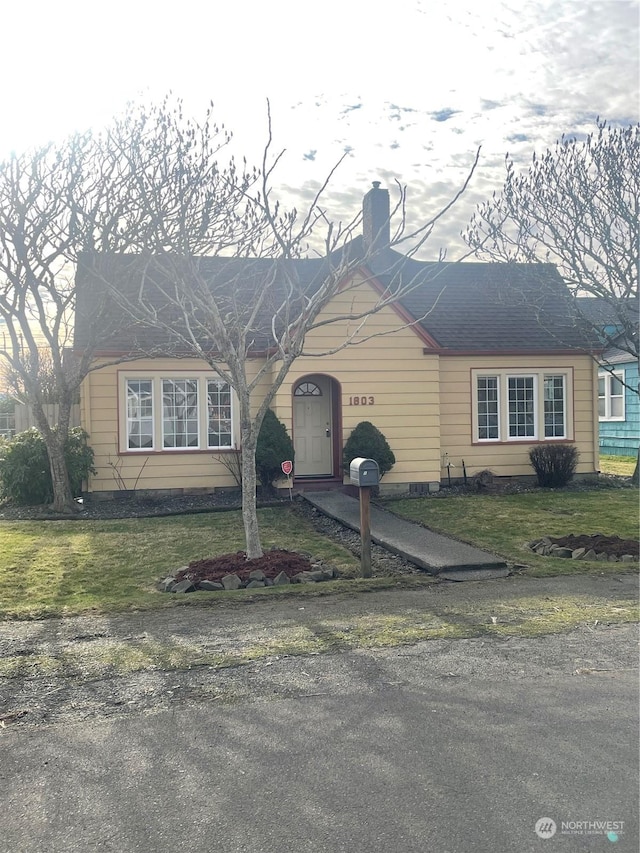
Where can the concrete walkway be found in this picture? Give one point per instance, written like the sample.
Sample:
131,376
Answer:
431,551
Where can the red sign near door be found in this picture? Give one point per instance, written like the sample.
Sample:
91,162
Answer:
287,467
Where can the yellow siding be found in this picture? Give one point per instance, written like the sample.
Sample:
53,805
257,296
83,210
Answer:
190,470
393,370
422,403
509,458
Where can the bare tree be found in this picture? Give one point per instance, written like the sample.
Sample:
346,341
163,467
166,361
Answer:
55,202
577,206
221,273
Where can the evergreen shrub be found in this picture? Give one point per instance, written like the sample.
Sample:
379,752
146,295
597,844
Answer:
367,441
25,476
273,448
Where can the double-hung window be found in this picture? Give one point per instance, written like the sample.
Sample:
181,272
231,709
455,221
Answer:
177,413
521,403
555,406
219,420
180,413
139,414
520,406
488,408
611,396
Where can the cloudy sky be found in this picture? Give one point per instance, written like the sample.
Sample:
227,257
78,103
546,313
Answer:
410,89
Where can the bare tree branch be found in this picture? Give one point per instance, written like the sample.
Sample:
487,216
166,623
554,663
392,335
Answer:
223,272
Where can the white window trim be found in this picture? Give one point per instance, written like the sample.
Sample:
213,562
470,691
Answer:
156,378
125,409
171,378
536,407
608,417
476,416
565,431
539,374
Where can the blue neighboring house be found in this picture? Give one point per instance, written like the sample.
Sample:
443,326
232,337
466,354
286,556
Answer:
618,379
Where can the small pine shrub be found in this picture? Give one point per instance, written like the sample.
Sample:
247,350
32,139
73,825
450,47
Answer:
367,441
25,476
554,464
273,448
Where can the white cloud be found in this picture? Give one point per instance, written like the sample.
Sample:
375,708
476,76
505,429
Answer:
508,74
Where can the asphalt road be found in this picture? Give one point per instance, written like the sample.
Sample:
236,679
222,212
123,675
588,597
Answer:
407,750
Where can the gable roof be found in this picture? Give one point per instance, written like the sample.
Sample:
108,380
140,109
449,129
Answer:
463,307
472,307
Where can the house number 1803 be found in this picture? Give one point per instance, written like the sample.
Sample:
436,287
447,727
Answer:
361,401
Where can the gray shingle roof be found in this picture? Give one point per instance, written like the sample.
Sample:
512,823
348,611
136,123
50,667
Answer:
464,307
483,307
605,312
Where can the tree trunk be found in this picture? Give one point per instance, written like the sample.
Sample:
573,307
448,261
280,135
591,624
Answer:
634,478
62,497
249,483
54,440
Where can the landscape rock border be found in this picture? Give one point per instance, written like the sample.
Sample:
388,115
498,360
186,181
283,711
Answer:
254,580
547,547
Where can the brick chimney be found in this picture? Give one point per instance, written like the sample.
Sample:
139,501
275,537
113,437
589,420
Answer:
376,226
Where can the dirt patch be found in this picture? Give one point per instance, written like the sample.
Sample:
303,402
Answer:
272,563
610,545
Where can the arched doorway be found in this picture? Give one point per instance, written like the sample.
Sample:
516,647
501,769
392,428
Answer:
315,426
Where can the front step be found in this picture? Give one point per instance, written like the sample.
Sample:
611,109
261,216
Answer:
324,485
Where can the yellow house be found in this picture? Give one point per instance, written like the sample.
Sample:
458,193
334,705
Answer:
461,373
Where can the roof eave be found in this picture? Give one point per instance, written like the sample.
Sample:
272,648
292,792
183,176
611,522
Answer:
514,351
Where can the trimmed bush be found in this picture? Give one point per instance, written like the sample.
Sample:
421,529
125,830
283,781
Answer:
25,476
554,464
366,440
273,448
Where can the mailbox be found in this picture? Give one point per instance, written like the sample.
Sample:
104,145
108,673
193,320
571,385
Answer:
364,472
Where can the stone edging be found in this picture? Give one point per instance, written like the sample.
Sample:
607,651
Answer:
256,580
546,548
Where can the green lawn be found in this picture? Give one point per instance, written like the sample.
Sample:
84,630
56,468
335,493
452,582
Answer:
622,466
62,568
504,524
58,567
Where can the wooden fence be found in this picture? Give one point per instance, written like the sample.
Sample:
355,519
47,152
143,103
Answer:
22,418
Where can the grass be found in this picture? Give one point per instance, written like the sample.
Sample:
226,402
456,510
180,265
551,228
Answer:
64,568
61,568
621,466
504,524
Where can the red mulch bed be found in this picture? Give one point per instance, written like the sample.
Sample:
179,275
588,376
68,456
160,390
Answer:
272,563
599,543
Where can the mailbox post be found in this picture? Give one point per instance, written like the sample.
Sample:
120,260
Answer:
365,473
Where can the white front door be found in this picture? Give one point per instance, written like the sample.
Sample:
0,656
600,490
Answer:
312,439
